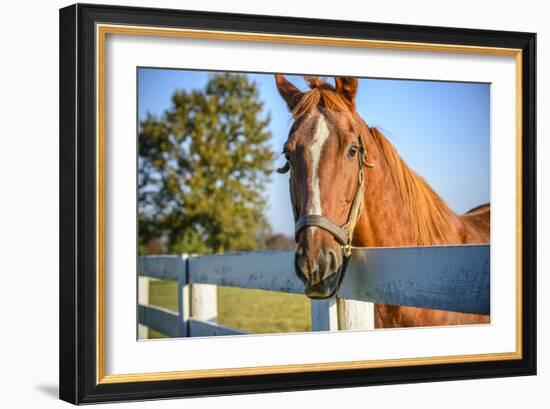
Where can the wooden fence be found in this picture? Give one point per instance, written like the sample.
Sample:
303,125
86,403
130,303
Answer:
453,278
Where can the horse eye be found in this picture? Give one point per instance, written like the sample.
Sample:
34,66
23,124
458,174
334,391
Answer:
353,151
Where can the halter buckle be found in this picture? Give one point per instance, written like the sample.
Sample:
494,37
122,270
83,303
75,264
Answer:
347,249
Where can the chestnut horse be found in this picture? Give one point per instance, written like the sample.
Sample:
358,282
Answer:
349,187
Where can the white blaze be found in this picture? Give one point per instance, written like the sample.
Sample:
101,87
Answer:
319,139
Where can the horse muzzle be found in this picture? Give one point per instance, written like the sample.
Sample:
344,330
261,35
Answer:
324,289
320,286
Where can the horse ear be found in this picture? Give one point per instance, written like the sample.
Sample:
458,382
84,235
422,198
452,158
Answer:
347,87
289,92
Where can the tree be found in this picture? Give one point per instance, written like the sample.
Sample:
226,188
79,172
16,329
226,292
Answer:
279,241
202,169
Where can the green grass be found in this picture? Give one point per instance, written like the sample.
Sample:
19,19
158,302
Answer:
254,311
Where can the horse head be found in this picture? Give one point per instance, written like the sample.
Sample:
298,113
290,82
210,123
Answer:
326,156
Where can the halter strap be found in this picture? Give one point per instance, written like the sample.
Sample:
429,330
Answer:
340,233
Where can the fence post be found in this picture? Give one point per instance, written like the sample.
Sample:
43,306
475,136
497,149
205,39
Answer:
183,298
143,299
324,316
354,314
204,302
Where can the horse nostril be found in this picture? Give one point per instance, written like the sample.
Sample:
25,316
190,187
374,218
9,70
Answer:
308,269
301,263
332,261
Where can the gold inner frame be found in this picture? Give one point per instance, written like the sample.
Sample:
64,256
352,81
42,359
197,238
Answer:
102,30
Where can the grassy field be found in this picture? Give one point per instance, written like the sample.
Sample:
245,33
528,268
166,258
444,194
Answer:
254,311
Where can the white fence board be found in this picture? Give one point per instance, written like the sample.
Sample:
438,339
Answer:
159,319
264,270
163,267
453,278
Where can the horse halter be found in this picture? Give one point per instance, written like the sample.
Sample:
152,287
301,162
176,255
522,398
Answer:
342,234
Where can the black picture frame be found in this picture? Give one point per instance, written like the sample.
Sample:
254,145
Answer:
78,258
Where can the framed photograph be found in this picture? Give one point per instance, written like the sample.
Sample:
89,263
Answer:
258,203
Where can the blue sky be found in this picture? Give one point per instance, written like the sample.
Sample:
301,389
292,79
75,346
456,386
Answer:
441,129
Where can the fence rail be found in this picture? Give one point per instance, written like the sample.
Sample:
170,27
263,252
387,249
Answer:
453,278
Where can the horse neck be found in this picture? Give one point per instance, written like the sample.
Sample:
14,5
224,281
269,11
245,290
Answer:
399,207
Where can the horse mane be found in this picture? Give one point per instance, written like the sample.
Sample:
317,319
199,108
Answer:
321,94
427,210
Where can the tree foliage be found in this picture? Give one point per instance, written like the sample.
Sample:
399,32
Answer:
202,169
279,241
